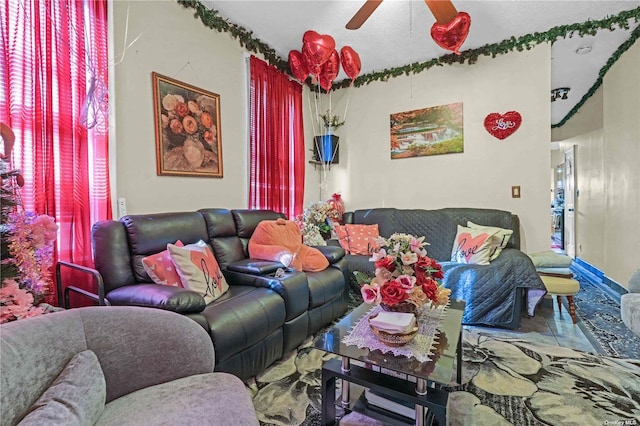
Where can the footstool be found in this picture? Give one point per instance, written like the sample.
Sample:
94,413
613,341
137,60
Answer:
562,287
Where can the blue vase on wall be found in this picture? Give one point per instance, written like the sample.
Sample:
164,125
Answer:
326,149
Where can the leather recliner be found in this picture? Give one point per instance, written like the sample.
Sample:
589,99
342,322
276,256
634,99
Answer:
258,320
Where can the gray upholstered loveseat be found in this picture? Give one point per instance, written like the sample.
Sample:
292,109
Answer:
115,366
495,294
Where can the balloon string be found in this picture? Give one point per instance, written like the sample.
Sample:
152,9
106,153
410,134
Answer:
346,105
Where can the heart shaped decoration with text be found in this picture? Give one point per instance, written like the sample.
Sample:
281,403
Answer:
502,125
451,35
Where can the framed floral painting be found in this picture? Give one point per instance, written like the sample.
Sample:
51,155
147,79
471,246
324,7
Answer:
187,122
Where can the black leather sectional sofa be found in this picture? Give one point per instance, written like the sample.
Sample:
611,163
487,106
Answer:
258,320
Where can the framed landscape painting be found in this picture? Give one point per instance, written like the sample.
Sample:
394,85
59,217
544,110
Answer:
187,123
428,131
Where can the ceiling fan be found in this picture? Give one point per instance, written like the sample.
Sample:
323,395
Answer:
443,10
449,31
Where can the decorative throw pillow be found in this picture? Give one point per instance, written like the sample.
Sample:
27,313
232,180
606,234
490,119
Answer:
280,240
499,239
472,246
76,397
343,238
362,238
161,269
550,259
199,270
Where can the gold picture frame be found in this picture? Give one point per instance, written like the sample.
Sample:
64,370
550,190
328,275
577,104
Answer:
188,134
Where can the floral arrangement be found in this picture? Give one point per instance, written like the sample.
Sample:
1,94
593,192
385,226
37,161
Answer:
16,302
404,275
331,121
317,219
30,240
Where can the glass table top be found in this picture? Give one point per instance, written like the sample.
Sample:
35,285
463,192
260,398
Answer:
439,369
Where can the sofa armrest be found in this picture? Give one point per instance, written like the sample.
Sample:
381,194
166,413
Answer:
293,287
254,266
332,253
139,347
175,299
63,299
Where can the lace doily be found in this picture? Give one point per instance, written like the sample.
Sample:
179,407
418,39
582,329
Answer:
420,347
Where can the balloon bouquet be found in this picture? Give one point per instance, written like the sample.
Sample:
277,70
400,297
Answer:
320,60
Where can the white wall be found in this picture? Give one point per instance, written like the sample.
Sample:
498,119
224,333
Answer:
587,119
608,173
482,176
622,166
175,44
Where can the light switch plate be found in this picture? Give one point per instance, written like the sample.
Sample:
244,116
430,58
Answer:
515,191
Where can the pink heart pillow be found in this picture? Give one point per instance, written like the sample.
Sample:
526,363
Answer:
472,246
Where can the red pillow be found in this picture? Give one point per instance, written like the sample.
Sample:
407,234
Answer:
161,269
362,238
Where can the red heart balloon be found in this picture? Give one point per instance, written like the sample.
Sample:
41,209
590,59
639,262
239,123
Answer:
325,83
502,125
298,66
331,68
350,62
450,36
316,49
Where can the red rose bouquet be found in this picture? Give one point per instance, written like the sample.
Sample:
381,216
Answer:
405,275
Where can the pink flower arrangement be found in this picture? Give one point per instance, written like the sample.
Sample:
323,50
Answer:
30,244
16,303
31,247
404,274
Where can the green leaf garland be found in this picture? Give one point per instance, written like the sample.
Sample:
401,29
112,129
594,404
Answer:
212,19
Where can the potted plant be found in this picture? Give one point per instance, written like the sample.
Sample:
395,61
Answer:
326,146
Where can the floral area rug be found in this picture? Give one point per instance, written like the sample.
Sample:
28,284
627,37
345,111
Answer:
505,382
599,318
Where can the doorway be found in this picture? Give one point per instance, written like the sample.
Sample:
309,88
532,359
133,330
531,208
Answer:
563,202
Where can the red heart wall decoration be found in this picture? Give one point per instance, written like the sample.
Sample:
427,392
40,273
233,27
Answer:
502,125
450,36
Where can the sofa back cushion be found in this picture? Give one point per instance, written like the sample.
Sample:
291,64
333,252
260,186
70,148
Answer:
111,254
221,228
230,230
150,233
437,226
247,221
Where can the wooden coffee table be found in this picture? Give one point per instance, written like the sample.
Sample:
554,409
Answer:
415,384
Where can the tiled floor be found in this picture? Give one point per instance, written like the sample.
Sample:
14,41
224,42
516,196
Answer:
547,326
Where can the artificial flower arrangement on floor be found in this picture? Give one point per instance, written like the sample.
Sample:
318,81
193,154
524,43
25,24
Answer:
406,279
317,219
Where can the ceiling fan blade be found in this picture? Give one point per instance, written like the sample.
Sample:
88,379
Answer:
363,14
443,10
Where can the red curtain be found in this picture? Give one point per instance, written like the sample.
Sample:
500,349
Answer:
277,166
53,77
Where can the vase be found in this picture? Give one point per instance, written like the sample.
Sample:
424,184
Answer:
406,307
326,149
